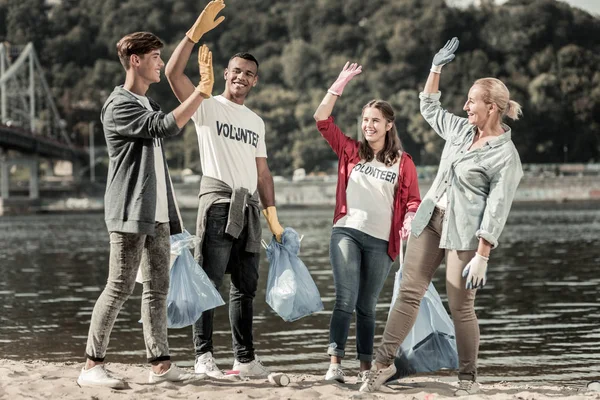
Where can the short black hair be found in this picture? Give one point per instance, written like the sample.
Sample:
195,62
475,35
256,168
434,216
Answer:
245,56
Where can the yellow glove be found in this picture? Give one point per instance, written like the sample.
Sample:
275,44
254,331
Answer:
206,20
276,229
207,77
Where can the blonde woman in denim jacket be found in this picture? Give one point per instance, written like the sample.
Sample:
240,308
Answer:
460,218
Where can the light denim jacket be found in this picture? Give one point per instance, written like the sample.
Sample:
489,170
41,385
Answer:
480,184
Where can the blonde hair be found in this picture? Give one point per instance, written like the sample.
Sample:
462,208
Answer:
495,91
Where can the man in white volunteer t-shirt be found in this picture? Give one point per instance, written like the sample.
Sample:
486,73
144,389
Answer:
233,154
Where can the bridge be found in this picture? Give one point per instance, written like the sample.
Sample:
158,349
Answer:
30,125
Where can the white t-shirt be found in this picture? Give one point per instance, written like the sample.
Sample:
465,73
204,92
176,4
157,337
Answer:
442,202
230,137
370,198
162,206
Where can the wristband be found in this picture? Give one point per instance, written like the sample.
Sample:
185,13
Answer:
437,69
485,258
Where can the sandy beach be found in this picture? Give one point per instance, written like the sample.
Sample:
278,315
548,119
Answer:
43,380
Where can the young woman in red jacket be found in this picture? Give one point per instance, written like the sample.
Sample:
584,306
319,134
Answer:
376,198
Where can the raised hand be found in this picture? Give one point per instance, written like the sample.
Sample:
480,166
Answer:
206,21
445,55
348,72
207,77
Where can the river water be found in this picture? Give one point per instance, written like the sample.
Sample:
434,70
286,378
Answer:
539,313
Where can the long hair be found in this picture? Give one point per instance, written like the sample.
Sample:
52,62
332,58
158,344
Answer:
391,149
495,91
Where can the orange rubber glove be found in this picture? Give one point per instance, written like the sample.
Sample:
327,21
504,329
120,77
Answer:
276,229
207,77
206,21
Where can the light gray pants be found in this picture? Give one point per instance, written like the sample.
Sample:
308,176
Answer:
128,251
423,257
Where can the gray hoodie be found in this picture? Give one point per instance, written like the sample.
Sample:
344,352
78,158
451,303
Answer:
130,198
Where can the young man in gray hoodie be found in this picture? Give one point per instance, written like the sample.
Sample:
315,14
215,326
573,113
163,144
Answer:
140,208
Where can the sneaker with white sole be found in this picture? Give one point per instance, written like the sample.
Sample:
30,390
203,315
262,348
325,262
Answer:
362,376
98,376
335,373
466,387
252,369
175,374
376,378
206,364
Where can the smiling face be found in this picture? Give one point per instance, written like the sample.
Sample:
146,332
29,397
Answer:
148,66
374,127
241,76
478,111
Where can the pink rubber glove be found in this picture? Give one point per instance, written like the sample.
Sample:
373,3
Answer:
349,72
406,225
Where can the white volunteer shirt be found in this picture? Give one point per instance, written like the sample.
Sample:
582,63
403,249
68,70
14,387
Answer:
230,137
162,206
370,199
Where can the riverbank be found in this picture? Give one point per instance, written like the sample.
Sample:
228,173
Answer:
40,380
309,192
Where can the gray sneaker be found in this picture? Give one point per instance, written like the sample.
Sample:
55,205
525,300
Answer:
377,377
98,376
252,369
205,364
362,376
466,388
175,374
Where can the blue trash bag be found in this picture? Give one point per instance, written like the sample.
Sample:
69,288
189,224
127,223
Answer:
191,292
431,343
291,291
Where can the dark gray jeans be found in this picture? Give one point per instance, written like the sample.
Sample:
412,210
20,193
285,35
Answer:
222,253
128,251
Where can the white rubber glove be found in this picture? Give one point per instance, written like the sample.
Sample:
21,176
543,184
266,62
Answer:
475,272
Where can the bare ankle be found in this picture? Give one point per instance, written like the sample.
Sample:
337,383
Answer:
379,365
161,367
89,364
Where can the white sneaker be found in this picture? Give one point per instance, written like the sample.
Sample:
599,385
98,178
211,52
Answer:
175,374
205,364
98,376
466,387
594,385
252,369
362,376
335,373
377,377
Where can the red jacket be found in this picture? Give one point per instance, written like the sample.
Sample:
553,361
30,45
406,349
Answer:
407,196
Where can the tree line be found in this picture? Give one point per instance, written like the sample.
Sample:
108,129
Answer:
545,51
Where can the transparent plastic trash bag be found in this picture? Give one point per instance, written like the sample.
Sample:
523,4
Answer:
191,292
431,343
291,291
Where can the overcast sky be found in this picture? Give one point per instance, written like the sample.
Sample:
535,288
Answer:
591,6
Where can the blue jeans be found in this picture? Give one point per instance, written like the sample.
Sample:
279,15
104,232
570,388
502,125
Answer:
224,254
360,266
